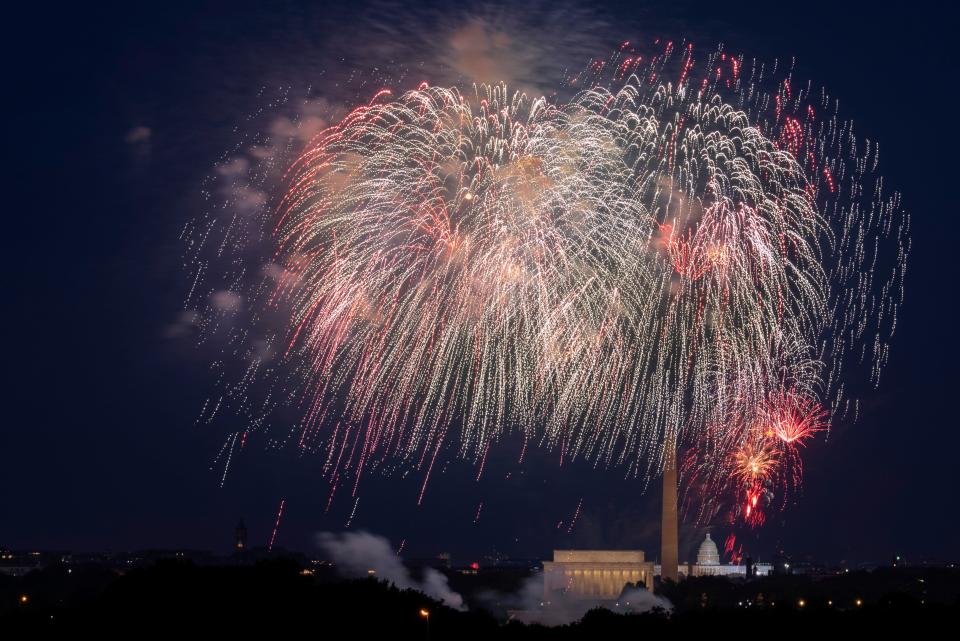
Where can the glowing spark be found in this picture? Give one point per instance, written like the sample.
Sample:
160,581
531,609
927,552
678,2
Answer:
276,525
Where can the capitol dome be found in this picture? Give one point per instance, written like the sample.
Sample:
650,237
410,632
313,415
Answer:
708,553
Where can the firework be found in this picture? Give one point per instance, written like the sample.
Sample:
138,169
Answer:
792,418
671,256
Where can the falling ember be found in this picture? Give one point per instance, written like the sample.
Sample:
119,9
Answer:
276,525
576,515
353,512
752,514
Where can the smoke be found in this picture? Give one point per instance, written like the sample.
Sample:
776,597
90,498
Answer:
531,46
138,135
356,553
528,604
226,301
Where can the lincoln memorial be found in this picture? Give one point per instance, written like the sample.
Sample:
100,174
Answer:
595,574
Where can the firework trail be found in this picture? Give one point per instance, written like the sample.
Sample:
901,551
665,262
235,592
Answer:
276,525
681,252
576,515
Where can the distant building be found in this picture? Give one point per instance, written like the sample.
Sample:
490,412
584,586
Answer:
708,564
781,564
240,541
595,574
19,563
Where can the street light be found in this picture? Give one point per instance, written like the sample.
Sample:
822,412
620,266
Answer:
425,615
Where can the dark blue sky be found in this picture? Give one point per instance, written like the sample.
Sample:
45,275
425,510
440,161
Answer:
98,447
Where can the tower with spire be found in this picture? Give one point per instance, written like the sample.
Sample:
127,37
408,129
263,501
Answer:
240,540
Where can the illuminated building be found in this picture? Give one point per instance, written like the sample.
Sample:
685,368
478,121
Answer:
708,564
595,574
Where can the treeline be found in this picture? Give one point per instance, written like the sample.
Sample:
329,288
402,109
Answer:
277,596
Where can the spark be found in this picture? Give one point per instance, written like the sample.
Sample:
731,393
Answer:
276,525
576,515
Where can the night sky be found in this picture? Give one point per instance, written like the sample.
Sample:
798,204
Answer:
99,447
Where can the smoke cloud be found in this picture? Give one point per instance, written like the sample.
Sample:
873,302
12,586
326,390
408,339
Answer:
529,606
355,553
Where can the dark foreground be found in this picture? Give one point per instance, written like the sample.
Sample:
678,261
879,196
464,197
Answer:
280,596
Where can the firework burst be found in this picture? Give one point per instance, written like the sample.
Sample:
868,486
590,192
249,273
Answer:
671,256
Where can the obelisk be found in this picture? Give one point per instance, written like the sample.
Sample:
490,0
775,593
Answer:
669,555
